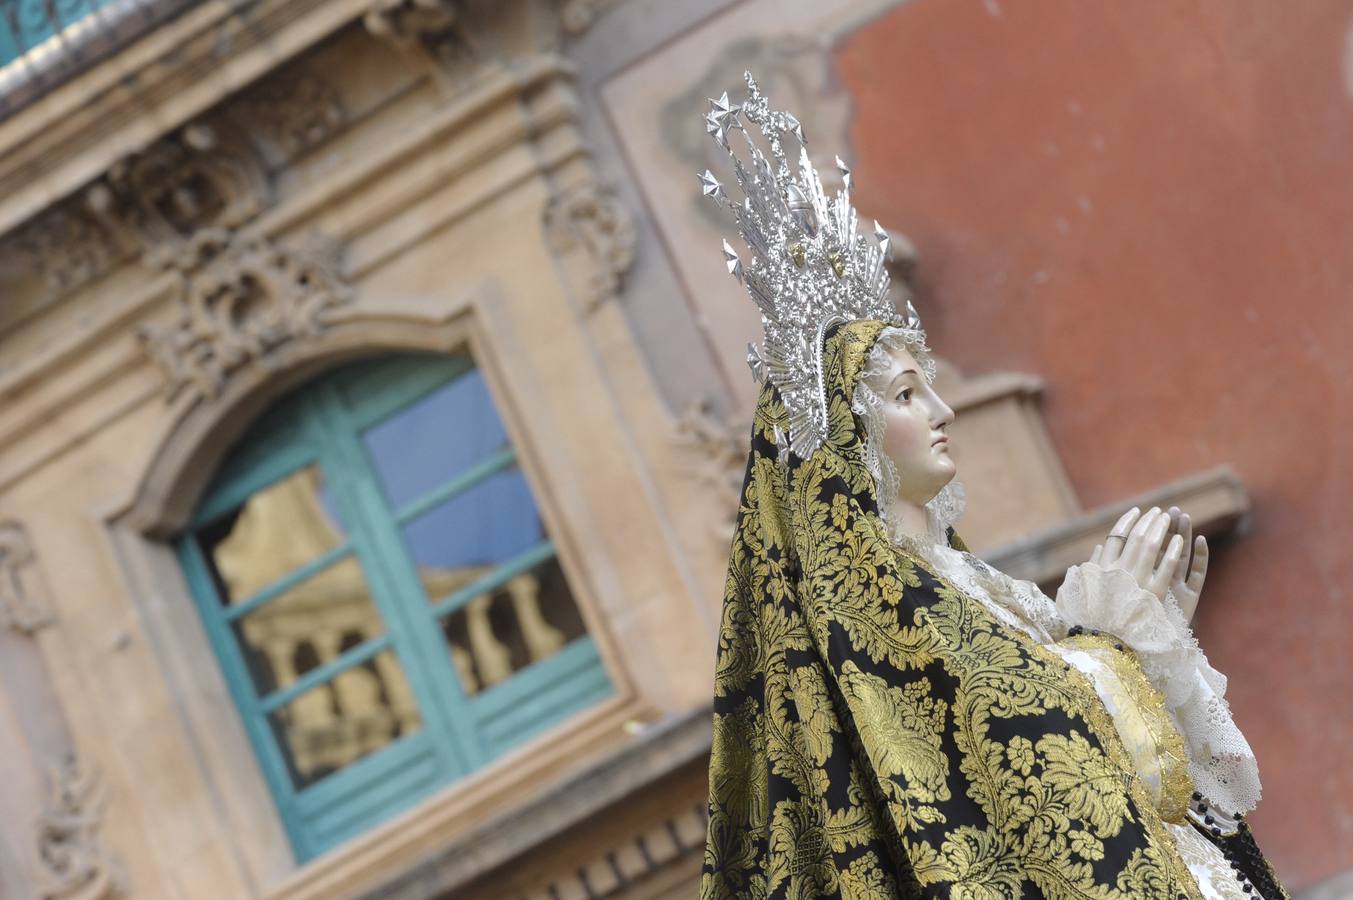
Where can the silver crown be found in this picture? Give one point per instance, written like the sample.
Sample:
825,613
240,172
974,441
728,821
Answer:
810,266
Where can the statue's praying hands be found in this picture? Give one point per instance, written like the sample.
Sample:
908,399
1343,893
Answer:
1159,551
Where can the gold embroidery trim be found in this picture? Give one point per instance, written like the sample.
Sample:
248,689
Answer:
1176,785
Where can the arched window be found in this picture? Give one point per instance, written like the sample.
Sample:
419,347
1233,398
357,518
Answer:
385,602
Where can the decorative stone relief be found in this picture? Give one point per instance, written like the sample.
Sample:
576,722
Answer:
612,872
292,110
410,20
207,176
240,297
65,245
72,862
23,604
718,451
590,218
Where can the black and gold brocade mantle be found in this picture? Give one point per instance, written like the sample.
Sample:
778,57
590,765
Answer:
878,734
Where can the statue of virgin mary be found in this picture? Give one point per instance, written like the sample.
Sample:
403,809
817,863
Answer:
893,717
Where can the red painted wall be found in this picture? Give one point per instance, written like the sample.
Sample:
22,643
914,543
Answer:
1151,206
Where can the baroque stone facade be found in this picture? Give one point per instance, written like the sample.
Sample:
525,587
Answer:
259,192
195,255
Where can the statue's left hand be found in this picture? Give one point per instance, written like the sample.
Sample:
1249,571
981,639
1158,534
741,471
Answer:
1142,545
1187,581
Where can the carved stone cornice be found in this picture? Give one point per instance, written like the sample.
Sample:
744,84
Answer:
591,221
73,864
24,605
241,296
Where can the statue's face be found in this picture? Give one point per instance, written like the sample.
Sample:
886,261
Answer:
914,435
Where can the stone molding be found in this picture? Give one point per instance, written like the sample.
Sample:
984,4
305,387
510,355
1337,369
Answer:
24,606
663,749
73,863
609,873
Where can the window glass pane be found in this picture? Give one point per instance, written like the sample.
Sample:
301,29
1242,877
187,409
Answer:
525,620
358,712
307,625
428,442
467,536
277,530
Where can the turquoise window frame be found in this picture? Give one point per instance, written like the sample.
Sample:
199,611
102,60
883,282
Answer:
26,25
322,424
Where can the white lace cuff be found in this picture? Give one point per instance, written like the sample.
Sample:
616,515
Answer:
1221,762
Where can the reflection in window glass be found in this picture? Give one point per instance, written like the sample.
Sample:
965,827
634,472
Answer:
277,530
458,541
525,620
435,438
358,712
307,625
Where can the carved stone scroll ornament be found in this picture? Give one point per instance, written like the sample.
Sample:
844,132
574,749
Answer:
717,448
592,219
206,177
72,862
248,296
23,605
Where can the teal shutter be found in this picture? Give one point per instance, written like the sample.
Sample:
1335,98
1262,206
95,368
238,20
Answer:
363,499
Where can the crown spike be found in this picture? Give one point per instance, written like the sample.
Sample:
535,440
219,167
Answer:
731,259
